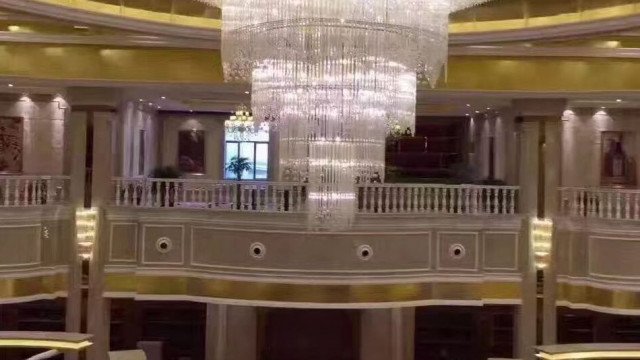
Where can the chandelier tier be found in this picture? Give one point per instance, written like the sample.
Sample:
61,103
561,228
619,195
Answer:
333,75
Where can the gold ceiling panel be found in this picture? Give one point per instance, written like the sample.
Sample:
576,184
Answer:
497,15
84,63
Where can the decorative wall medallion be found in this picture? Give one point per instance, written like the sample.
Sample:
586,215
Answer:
257,250
457,251
164,245
365,252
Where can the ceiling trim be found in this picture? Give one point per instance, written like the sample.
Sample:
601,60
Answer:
86,17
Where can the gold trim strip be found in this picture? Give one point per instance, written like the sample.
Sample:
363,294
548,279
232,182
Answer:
612,299
592,355
306,293
46,344
29,286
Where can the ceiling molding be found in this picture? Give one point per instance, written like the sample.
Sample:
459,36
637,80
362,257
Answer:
536,51
86,17
549,32
110,40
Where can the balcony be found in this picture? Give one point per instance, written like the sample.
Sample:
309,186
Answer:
32,191
278,197
600,203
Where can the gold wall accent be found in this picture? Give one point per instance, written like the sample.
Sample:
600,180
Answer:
612,299
203,67
30,286
306,293
502,15
175,12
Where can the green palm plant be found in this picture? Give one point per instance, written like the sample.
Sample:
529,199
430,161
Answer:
238,165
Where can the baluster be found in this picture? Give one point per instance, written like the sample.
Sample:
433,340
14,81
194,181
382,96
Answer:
618,206
126,193
299,197
283,194
487,200
387,195
436,200
401,203
379,206
460,195
156,184
494,194
588,204
636,216
16,192
465,191
420,198
118,187
627,206
6,191
574,202
512,200
609,205
25,192
274,202
39,192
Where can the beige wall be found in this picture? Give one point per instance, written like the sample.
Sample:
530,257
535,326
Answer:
212,124
581,142
44,133
134,118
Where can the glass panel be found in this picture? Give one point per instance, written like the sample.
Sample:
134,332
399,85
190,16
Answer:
230,152
247,150
262,161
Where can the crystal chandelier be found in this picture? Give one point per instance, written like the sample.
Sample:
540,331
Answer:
242,125
335,75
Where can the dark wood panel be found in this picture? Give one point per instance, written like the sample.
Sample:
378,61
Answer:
294,334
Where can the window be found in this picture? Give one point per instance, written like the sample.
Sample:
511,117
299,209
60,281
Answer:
254,147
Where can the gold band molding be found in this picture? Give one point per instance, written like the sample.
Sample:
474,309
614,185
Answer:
622,300
185,286
179,67
24,287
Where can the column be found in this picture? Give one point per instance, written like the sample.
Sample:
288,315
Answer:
387,334
231,332
97,305
528,178
552,175
77,150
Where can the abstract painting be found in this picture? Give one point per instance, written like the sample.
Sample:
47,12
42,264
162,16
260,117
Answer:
191,151
11,143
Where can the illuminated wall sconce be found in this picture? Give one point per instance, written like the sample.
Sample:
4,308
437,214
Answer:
86,220
541,232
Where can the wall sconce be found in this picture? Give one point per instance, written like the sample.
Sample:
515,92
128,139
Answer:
541,232
86,220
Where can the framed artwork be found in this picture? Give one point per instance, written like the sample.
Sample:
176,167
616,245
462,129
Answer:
618,166
11,144
191,151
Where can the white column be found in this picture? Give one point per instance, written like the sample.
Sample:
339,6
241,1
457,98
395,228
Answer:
77,150
97,305
387,334
231,332
528,178
552,173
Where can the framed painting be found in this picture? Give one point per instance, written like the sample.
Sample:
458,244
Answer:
191,151
11,145
618,167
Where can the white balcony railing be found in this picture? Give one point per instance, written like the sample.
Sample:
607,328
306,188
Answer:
604,203
437,199
291,197
211,194
23,191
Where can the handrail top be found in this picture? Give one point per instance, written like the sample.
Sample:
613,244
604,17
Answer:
267,182
599,189
34,177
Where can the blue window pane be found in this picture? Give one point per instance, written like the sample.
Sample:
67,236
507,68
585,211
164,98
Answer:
231,151
262,161
247,150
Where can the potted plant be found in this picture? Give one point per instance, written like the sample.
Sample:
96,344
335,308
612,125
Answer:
164,172
238,165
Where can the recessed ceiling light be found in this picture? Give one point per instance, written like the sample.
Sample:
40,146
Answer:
81,27
466,114
10,85
488,108
468,105
618,100
477,112
140,100
246,92
603,108
13,28
190,110
150,104
163,98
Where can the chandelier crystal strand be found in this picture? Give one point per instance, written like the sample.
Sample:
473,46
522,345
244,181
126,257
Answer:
333,75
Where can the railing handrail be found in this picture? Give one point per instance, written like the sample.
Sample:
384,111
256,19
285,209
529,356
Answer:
436,185
35,177
209,181
600,189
